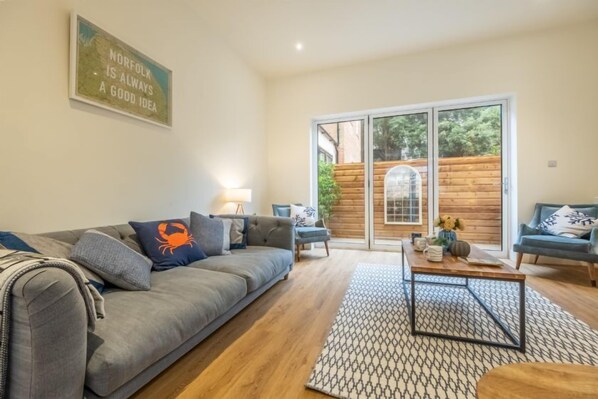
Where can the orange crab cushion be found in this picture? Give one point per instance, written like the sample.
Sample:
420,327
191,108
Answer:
168,243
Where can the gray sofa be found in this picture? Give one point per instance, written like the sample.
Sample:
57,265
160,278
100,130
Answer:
53,356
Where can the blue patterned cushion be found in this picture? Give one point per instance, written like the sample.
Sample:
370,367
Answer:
547,211
113,260
168,243
568,222
303,216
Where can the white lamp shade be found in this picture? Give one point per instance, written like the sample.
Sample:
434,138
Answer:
238,195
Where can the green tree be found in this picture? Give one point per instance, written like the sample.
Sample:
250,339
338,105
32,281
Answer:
462,132
400,137
469,132
329,192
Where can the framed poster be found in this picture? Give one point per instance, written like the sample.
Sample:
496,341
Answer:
108,73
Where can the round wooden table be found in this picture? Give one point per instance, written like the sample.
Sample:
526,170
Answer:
539,380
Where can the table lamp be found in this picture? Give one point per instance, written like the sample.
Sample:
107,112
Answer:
239,196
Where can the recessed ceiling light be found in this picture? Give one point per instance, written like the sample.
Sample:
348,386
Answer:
298,46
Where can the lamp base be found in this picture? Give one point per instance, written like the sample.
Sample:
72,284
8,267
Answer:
240,210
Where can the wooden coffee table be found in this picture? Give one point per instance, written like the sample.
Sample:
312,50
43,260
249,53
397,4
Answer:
451,266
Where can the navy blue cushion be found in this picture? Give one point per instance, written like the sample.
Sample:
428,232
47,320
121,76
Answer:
309,232
556,242
168,243
10,241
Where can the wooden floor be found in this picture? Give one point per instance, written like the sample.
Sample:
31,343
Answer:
268,350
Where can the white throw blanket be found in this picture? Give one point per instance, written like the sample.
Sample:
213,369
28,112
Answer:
14,264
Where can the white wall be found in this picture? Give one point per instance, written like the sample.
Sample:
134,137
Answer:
553,74
64,164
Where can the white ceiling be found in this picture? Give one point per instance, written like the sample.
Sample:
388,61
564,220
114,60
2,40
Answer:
339,32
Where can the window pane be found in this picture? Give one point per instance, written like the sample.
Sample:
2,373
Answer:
470,171
341,153
400,140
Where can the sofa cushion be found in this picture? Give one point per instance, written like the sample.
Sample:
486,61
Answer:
257,265
309,232
168,243
48,247
238,231
113,260
212,235
144,326
557,243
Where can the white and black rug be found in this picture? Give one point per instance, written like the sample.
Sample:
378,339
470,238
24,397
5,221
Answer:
370,353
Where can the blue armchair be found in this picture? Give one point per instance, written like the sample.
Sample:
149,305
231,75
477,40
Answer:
304,235
534,241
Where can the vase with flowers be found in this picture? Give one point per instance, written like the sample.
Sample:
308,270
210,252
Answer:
447,234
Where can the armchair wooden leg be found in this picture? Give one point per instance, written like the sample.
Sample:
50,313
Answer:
592,273
327,250
519,259
536,259
298,250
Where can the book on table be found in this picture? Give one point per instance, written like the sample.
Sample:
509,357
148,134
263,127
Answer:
480,262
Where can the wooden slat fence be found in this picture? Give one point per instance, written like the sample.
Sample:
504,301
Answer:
469,188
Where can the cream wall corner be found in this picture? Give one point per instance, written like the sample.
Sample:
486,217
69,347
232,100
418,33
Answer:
69,165
552,75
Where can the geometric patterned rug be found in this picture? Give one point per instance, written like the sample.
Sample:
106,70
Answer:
370,352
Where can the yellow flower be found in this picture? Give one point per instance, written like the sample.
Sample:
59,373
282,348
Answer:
449,224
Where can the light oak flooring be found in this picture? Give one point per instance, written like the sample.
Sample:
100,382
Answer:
268,350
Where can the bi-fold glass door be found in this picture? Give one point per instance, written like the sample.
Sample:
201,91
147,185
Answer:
386,175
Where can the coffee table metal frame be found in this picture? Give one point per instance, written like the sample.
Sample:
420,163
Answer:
517,343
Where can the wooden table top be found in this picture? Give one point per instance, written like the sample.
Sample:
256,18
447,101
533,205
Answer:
451,265
539,380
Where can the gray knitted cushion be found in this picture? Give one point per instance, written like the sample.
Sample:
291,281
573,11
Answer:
212,235
113,260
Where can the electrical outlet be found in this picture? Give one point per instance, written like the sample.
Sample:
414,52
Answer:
552,164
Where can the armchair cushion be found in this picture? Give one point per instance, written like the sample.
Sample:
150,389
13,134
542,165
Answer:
310,232
282,210
556,243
